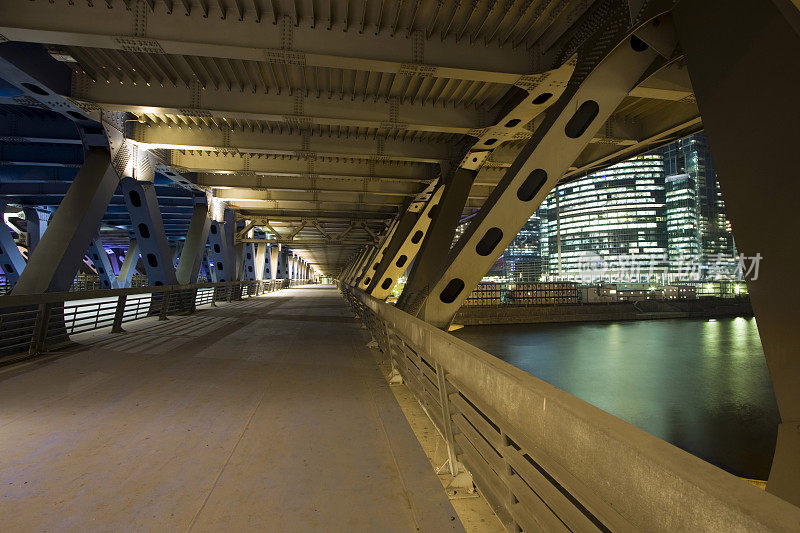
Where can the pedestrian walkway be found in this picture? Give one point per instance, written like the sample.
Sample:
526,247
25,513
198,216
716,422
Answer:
266,414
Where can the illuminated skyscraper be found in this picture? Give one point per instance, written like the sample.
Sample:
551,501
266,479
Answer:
697,224
654,217
611,222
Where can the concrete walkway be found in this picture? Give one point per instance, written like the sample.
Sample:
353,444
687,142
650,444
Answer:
266,414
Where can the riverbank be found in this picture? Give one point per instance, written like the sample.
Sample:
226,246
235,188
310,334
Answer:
603,312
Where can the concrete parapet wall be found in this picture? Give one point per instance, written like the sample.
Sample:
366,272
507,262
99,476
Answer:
646,310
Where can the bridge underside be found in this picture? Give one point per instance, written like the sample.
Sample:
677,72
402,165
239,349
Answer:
289,140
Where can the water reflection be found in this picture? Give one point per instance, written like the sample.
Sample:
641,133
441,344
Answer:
702,385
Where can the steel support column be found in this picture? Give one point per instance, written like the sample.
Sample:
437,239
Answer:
11,260
195,245
374,270
176,250
55,260
592,94
36,224
283,263
222,269
432,255
395,262
99,258
743,63
358,261
351,264
128,268
142,204
373,257
274,262
261,258
249,273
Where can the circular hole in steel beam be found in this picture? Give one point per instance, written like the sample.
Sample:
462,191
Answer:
531,185
638,45
582,119
452,290
135,199
34,88
489,241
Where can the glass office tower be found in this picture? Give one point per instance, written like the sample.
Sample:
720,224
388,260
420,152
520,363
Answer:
656,217
523,257
698,227
610,224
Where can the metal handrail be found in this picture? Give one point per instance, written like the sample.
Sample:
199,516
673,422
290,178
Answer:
547,460
12,300
29,324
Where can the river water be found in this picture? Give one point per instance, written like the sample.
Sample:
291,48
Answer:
700,384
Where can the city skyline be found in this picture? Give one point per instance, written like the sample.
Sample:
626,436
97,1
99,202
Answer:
655,217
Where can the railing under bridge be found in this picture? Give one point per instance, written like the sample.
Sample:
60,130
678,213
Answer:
32,324
548,461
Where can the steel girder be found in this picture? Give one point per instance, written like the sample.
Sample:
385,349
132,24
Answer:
261,259
148,226
36,221
195,245
393,266
12,261
432,255
195,33
102,264
569,125
373,259
128,267
308,143
249,272
283,262
223,270
272,107
274,261
54,262
356,260
743,61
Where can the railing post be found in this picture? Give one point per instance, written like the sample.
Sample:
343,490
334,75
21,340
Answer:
164,306
118,314
40,328
447,420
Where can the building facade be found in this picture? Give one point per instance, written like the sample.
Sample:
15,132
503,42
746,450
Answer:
698,227
609,225
658,217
